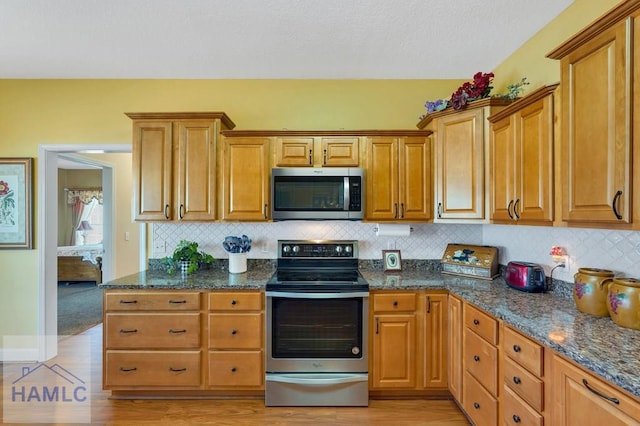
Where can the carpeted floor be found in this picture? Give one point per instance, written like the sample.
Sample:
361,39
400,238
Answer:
79,307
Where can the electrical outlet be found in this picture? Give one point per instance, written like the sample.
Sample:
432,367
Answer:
159,246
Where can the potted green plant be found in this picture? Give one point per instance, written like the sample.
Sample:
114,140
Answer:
187,258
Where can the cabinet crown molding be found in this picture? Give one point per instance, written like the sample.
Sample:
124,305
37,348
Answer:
480,103
224,118
523,102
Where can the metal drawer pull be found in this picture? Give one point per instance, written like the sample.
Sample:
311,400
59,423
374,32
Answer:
177,370
516,380
166,211
395,303
233,302
476,358
182,331
127,302
516,348
601,395
234,369
509,209
616,198
476,405
180,210
476,322
428,304
234,331
123,331
516,418
177,302
125,370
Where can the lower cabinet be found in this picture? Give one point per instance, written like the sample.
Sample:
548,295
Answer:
408,342
580,398
183,341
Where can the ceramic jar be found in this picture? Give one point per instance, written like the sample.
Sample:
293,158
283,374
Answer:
590,290
623,302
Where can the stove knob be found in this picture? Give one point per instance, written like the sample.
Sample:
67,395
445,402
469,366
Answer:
286,249
296,249
347,249
338,249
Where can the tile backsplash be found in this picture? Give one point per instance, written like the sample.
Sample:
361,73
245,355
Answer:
615,250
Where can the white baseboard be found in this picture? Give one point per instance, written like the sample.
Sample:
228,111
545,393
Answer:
18,354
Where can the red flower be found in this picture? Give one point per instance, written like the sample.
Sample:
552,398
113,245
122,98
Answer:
4,188
469,91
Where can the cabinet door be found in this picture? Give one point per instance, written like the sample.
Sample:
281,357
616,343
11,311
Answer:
580,398
394,347
246,179
454,355
502,160
382,179
340,151
415,179
152,160
294,152
460,165
195,170
435,344
534,162
596,125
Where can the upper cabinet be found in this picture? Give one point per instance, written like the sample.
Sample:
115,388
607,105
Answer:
246,178
174,165
521,160
460,159
598,68
319,151
398,178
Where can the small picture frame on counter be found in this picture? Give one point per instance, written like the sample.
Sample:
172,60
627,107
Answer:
391,260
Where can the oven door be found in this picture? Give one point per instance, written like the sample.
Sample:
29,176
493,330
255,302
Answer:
317,332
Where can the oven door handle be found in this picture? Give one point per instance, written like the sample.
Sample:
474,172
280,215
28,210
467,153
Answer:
303,295
317,379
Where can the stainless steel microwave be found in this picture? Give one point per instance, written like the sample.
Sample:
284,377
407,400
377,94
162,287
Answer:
314,193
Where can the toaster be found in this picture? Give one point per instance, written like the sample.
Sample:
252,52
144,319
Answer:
525,276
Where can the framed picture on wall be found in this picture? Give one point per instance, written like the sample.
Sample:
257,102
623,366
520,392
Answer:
391,260
16,228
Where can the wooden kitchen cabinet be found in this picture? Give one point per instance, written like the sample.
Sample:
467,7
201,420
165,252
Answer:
460,159
480,366
580,398
409,343
236,340
246,179
393,359
319,151
152,340
398,179
454,343
174,165
597,75
521,160
525,371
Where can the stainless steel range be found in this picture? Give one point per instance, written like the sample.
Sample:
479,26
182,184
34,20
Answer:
317,326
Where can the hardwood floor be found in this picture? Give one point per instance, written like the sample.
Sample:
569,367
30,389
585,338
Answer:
105,411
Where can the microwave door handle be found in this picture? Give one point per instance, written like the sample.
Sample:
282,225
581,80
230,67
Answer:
347,196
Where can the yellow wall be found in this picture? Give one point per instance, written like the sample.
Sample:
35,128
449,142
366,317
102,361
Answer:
33,112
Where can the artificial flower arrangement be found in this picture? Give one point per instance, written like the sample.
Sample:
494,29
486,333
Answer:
479,88
240,244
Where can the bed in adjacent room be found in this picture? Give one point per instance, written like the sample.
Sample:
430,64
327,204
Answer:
80,263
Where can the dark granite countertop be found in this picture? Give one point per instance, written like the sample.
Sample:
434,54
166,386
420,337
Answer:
596,343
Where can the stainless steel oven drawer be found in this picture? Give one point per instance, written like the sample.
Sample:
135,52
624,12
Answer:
311,389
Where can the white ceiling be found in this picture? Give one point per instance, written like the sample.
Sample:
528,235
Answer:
280,39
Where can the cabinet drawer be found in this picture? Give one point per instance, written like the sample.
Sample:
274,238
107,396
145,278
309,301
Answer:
152,331
235,331
235,301
394,302
152,368
526,352
478,403
481,323
481,360
517,412
231,369
152,301
525,384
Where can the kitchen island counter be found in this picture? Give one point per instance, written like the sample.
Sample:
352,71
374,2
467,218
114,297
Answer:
553,320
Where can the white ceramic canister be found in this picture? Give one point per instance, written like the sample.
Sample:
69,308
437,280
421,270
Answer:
237,263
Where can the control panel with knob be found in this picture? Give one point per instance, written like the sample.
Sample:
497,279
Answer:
318,249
